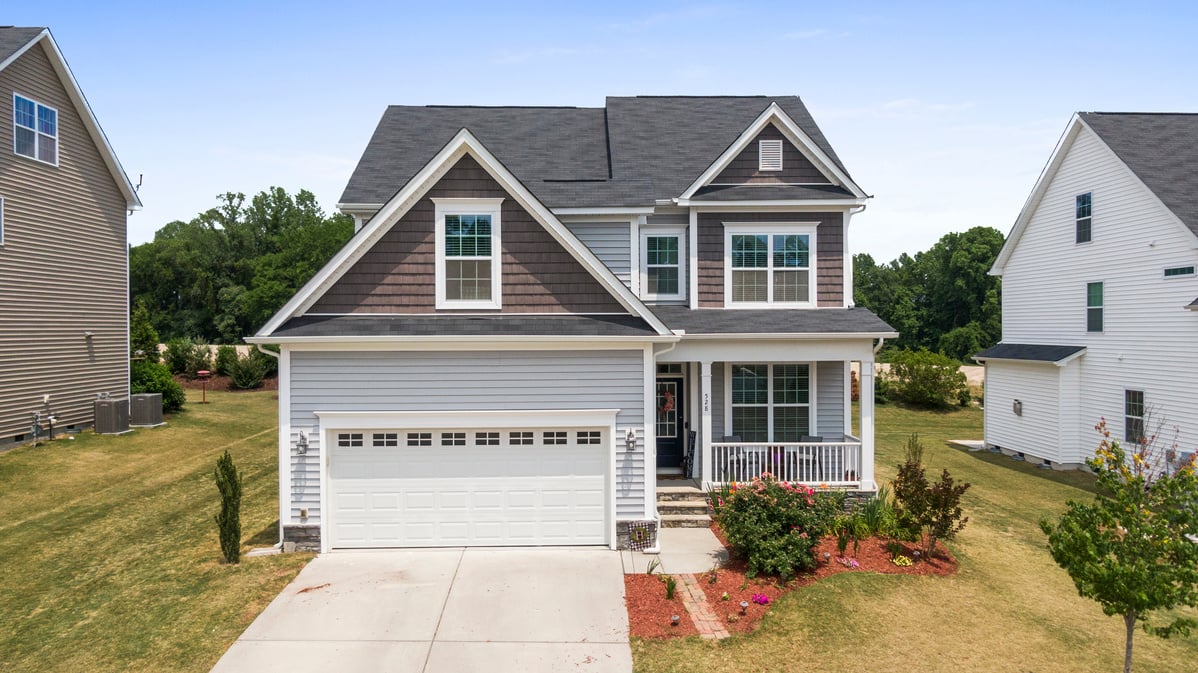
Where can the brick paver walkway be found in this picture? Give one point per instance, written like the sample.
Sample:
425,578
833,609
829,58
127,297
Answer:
695,602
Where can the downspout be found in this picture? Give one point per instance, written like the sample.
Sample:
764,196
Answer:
260,349
881,341
656,548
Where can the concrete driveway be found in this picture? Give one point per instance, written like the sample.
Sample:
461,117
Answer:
435,611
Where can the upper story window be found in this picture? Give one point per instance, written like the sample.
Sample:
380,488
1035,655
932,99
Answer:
34,129
769,265
1082,219
1094,307
663,264
769,155
468,253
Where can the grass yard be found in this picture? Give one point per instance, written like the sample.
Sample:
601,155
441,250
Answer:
111,560
1010,607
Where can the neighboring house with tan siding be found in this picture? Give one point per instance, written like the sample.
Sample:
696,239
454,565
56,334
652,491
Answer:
544,310
1099,280
64,199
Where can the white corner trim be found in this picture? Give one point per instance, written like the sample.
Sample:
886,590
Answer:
796,135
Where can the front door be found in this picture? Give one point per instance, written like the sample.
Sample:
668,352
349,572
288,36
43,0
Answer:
670,422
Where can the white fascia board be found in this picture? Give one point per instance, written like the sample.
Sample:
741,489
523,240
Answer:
771,204
796,135
462,144
472,343
1033,200
67,78
348,208
544,418
619,210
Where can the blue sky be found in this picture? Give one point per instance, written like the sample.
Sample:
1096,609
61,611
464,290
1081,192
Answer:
944,112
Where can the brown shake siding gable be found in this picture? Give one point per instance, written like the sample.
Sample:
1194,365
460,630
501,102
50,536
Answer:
397,274
796,169
829,253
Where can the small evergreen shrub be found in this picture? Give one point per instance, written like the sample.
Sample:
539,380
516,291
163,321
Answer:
775,525
186,356
925,379
152,377
246,373
225,357
269,364
228,519
927,511
143,338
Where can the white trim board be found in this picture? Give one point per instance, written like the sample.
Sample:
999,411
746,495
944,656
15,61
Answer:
462,144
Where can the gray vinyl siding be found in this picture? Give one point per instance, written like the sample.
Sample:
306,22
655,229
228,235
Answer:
63,265
829,400
612,244
468,381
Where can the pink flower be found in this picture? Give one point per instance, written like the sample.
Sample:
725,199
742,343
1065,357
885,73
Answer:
761,599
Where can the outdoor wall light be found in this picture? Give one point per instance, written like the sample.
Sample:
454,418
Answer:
630,439
1017,407
301,444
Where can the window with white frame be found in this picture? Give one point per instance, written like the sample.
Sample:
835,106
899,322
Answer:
769,155
1094,305
468,257
663,264
769,265
34,129
1083,227
1170,272
1133,416
770,402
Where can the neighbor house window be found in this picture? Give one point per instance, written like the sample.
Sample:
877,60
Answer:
1082,218
468,253
770,403
1133,416
1093,307
769,264
663,256
769,155
34,130
1171,272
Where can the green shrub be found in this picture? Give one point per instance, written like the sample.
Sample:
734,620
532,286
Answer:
246,373
882,390
143,339
151,377
269,364
671,587
186,356
926,379
226,356
927,511
878,514
775,525
228,519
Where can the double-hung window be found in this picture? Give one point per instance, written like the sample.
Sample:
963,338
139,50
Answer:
769,265
1083,228
1094,300
34,129
663,264
1133,416
468,257
770,403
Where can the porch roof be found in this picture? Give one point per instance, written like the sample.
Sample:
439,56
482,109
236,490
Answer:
1029,352
786,322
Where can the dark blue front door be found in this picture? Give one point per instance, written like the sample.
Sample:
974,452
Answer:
670,422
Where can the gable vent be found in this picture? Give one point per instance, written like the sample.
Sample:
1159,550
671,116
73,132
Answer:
770,155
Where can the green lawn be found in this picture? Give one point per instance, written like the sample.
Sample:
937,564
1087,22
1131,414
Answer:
1009,608
111,560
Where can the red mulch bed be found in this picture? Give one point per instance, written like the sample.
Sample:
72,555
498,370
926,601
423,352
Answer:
224,383
649,612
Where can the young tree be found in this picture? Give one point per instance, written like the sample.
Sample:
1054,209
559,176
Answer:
926,511
228,520
1129,549
143,338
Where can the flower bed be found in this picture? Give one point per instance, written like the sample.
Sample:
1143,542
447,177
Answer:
649,612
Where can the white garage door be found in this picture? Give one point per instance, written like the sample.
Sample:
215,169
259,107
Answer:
447,487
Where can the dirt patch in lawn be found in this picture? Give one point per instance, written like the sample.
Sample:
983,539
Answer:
224,383
649,612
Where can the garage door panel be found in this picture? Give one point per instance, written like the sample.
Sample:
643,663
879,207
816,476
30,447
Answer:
477,494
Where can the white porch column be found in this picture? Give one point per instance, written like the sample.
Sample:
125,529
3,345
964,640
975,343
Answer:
705,405
867,423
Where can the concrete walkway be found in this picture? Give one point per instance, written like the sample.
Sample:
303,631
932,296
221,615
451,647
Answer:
683,550
434,611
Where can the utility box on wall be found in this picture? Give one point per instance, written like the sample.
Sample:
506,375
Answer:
145,410
112,417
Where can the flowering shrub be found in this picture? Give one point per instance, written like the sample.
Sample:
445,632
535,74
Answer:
774,525
902,561
761,599
850,563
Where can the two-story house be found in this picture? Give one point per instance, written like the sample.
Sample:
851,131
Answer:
64,198
1099,287
544,309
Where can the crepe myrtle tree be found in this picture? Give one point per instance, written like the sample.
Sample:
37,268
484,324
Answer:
1133,548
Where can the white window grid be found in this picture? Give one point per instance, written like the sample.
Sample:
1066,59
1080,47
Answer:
453,439
349,439
385,439
420,439
486,439
44,129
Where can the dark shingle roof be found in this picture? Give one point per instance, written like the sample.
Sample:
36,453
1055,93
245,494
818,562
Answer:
772,321
1030,352
458,325
630,153
1162,150
12,39
770,192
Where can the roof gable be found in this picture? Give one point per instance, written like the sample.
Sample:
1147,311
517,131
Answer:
463,144
14,43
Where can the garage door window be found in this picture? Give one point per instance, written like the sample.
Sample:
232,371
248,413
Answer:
386,439
486,439
521,438
349,439
588,436
453,439
555,437
420,439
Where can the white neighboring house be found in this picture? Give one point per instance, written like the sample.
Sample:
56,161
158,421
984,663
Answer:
1100,318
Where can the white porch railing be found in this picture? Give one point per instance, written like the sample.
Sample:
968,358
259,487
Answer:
831,464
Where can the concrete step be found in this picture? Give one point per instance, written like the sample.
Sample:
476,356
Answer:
680,493
681,507
685,521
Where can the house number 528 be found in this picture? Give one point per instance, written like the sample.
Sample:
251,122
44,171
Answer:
706,402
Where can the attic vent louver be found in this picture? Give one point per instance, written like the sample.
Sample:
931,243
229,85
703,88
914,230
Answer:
770,155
